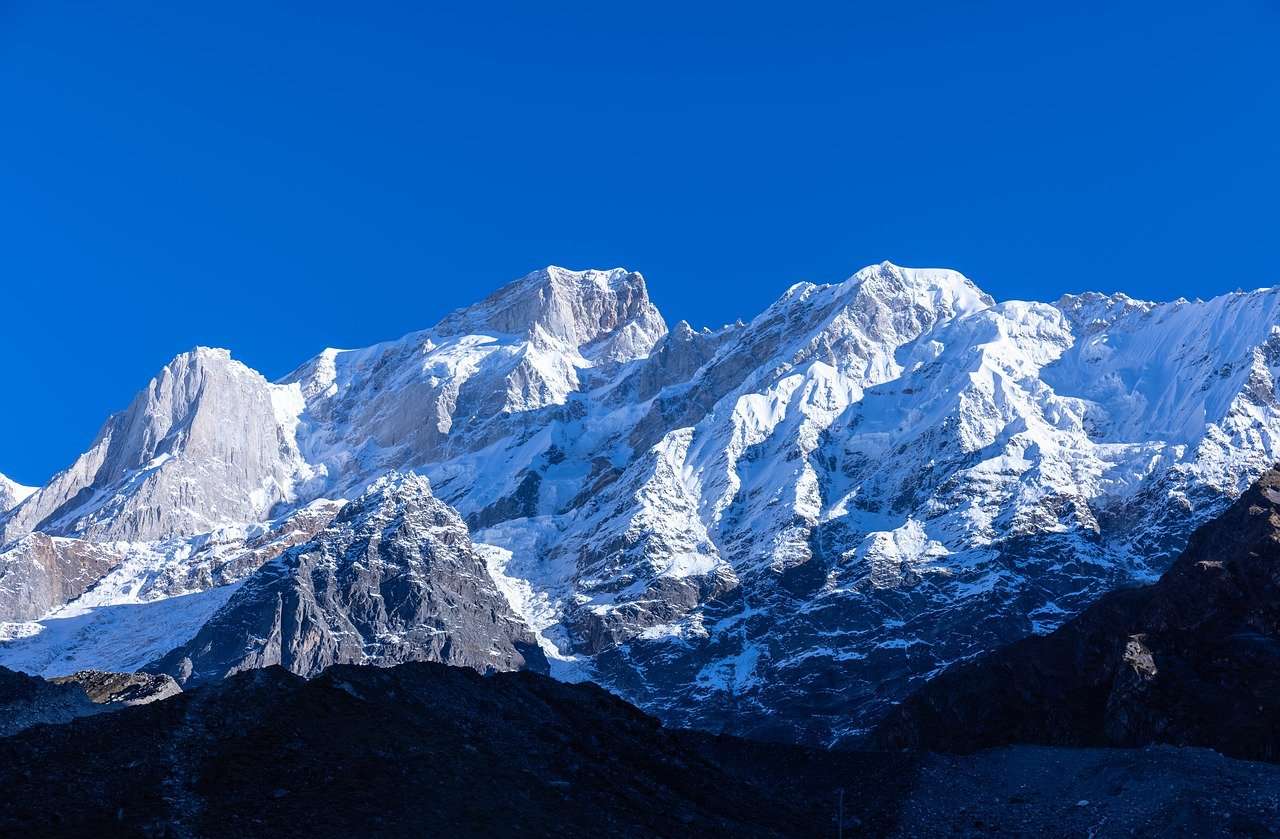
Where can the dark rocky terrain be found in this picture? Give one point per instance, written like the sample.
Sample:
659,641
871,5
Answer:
393,578
423,749
27,701
1046,792
418,749
1191,660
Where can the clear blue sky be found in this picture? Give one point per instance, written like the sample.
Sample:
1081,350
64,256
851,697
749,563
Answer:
276,178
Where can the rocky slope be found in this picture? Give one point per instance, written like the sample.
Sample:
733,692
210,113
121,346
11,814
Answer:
27,701
781,526
39,572
393,578
418,749
423,749
1192,660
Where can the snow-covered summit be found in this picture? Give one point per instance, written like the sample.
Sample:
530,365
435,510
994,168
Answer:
573,308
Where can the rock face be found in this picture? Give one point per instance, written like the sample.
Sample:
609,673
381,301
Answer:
39,572
394,578
780,527
1191,660
209,442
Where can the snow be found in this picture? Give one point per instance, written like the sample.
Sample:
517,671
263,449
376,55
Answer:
939,454
122,636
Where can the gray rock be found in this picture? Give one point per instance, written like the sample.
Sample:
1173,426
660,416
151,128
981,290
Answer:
394,578
40,572
206,443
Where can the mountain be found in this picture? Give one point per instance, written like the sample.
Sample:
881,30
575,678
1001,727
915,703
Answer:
1192,660
120,605
12,493
424,749
780,527
393,578
208,442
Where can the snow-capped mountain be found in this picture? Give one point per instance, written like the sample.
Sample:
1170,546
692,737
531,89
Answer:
207,443
779,526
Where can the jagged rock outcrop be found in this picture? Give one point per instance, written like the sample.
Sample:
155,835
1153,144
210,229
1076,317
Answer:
1192,660
126,689
394,578
39,572
29,700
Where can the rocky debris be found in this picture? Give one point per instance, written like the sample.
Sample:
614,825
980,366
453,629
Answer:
1058,793
121,688
1192,660
393,578
39,572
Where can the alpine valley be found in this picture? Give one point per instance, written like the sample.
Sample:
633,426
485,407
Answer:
778,528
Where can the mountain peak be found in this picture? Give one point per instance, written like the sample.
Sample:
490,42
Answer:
942,286
394,577
574,308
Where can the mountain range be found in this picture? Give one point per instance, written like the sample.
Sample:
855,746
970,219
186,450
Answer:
779,528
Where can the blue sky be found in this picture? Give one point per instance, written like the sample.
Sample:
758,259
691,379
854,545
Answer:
280,177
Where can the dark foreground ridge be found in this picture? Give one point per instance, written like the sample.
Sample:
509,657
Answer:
418,749
1193,660
423,749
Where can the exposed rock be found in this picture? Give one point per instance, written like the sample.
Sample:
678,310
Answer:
1192,660
121,688
29,700
26,701
394,578
39,572
209,442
